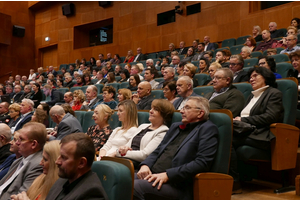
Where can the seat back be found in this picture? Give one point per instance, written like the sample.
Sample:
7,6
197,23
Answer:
115,85
124,85
245,88
83,88
203,90
256,54
242,39
289,89
280,58
116,176
72,89
114,121
99,87
80,116
228,42
201,78
162,53
236,49
143,117
152,55
250,62
64,89
87,121
283,68
157,94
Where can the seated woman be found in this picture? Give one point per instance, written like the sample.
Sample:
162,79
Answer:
148,136
37,95
110,78
263,107
256,33
116,60
32,75
212,70
245,52
269,63
129,58
295,60
134,81
59,83
190,70
180,67
124,75
14,112
128,67
101,131
295,22
94,72
45,108
127,113
109,93
79,98
92,61
251,43
79,80
170,91
208,55
188,57
203,65
43,183
124,94
87,79
51,82
39,116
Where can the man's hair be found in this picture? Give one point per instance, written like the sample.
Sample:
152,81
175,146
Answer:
84,146
5,130
227,74
28,102
239,58
48,87
28,86
149,60
57,110
202,43
94,88
5,104
188,80
203,103
37,131
275,24
170,69
70,94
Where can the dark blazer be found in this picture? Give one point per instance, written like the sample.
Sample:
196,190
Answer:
194,155
17,96
4,152
178,101
267,110
277,33
24,96
183,51
69,124
26,119
69,85
232,100
145,103
37,98
241,77
141,57
92,106
210,46
4,167
56,97
89,187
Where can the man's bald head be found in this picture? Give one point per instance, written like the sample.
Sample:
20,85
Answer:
5,134
4,107
144,89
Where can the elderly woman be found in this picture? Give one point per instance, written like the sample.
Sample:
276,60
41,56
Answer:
124,94
37,95
212,70
79,80
256,33
127,113
101,131
40,72
263,107
129,58
148,136
169,90
190,54
295,60
134,80
79,98
203,65
251,43
14,113
245,52
109,93
171,49
39,116
190,70
87,79
124,75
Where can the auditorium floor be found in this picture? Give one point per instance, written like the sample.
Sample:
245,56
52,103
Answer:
261,190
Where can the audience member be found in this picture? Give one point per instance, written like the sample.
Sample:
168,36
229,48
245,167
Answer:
92,101
267,43
169,90
128,67
184,86
100,78
79,81
274,32
14,114
56,95
134,80
39,116
195,45
271,51
59,83
109,93
175,61
32,75
124,75
203,65
180,67
67,123
208,46
68,97
87,79
190,71
251,43
149,76
45,108
139,55
79,98
117,71
9,91
117,59
143,98
26,114
212,70
182,49
127,113
169,74
296,23
295,60
269,63
172,169
256,33
221,59
189,55
200,52
4,112
171,49
236,65
5,138
246,52
37,95
76,181
109,67
129,58
77,64
291,42
136,70
208,55
68,82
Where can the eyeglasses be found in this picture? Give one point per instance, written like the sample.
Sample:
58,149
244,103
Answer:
189,108
290,39
262,63
254,76
217,78
210,71
233,64
21,140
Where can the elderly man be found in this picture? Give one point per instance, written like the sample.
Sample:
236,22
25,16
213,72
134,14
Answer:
92,101
169,74
139,55
274,32
225,95
267,41
98,65
221,59
4,112
5,138
69,82
71,70
149,76
26,94
184,87
143,98
56,95
25,169
68,97
291,42
188,148
182,49
100,77
109,58
9,91
236,66
101,58
76,181
136,70
24,80
149,62
175,61
51,71
26,114
200,52
67,123
208,45
17,93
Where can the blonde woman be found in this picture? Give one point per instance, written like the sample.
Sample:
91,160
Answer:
124,94
42,184
256,33
129,58
79,98
212,70
127,113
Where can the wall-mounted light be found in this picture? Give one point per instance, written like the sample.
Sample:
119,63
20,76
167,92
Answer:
47,39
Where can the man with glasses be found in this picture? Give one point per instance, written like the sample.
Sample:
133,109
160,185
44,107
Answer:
291,42
169,74
184,87
236,65
188,148
225,95
175,61
68,82
27,168
26,114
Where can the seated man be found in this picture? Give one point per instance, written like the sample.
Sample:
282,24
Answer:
139,55
26,114
92,101
69,82
18,93
149,76
66,123
208,45
188,148
5,138
26,95
4,114
225,96
76,181
56,95
136,70
182,49
100,78
68,97
200,52
267,41
184,86
291,42
236,65
221,59
169,74
143,98
274,32
24,170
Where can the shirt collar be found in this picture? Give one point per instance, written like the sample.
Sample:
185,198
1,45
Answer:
259,91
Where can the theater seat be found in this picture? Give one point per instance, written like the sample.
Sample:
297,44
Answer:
115,85
143,117
245,88
83,88
280,58
203,90
124,85
201,78
87,121
256,54
229,42
283,68
157,94
250,62
242,39
152,55
236,49
64,89
72,89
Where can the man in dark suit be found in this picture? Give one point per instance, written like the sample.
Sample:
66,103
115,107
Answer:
52,71
188,148
76,181
184,86
26,94
139,56
69,82
5,138
27,168
4,112
67,123
208,45
225,95
92,101
26,114
56,95
274,32
182,50
18,93
143,98
236,65
9,91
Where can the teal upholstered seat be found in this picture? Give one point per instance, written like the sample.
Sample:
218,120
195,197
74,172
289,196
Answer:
87,121
250,62
202,90
72,89
229,42
283,68
157,94
241,40
64,90
115,85
280,58
236,49
256,54
114,121
143,117
80,116
124,85
245,88
201,78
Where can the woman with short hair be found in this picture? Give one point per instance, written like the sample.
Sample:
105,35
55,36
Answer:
124,94
79,98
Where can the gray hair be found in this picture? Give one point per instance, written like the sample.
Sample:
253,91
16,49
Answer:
227,73
187,79
246,48
239,57
203,103
150,60
275,24
57,110
28,102
170,69
257,28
